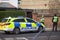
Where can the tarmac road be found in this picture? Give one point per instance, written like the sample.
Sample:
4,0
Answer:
48,35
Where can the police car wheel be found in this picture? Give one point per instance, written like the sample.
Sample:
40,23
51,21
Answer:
16,31
39,29
6,32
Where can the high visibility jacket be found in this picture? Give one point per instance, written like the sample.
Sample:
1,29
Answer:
42,20
43,25
55,19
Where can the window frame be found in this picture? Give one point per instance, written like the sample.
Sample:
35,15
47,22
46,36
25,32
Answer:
18,21
31,20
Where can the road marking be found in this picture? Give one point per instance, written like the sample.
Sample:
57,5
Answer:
9,38
17,38
25,38
42,36
0,39
22,38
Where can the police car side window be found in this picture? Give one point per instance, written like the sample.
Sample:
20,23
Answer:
29,20
5,20
19,20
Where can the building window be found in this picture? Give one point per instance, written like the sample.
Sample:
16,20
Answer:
19,1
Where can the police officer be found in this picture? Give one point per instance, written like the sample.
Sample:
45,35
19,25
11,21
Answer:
55,21
42,21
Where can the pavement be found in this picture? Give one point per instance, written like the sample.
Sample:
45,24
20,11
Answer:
50,29
48,35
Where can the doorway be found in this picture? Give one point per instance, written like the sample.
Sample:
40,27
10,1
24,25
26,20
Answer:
29,14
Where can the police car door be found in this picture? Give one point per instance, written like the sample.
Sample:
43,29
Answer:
20,23
31,25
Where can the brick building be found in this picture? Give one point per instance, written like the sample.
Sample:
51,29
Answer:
36,8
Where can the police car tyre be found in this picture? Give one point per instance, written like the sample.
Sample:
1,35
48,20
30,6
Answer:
7,32
16,31
40,28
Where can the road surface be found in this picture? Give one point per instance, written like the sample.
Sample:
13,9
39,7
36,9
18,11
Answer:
48,35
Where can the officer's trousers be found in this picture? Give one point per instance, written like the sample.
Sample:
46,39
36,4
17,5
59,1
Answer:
54,26
43,27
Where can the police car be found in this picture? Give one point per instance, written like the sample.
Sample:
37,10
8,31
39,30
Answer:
20,24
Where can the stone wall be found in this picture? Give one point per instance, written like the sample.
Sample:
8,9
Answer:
34,4
48,20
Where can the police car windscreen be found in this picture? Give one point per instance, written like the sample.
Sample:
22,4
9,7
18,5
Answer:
5,20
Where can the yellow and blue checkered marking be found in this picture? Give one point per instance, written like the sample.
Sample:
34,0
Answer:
24,25
27,25
17,24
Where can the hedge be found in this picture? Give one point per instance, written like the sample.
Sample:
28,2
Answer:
14,13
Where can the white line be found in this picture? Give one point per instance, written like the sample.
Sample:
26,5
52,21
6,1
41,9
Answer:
41,36
22,38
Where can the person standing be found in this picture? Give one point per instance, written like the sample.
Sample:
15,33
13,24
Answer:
55,22
42,20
